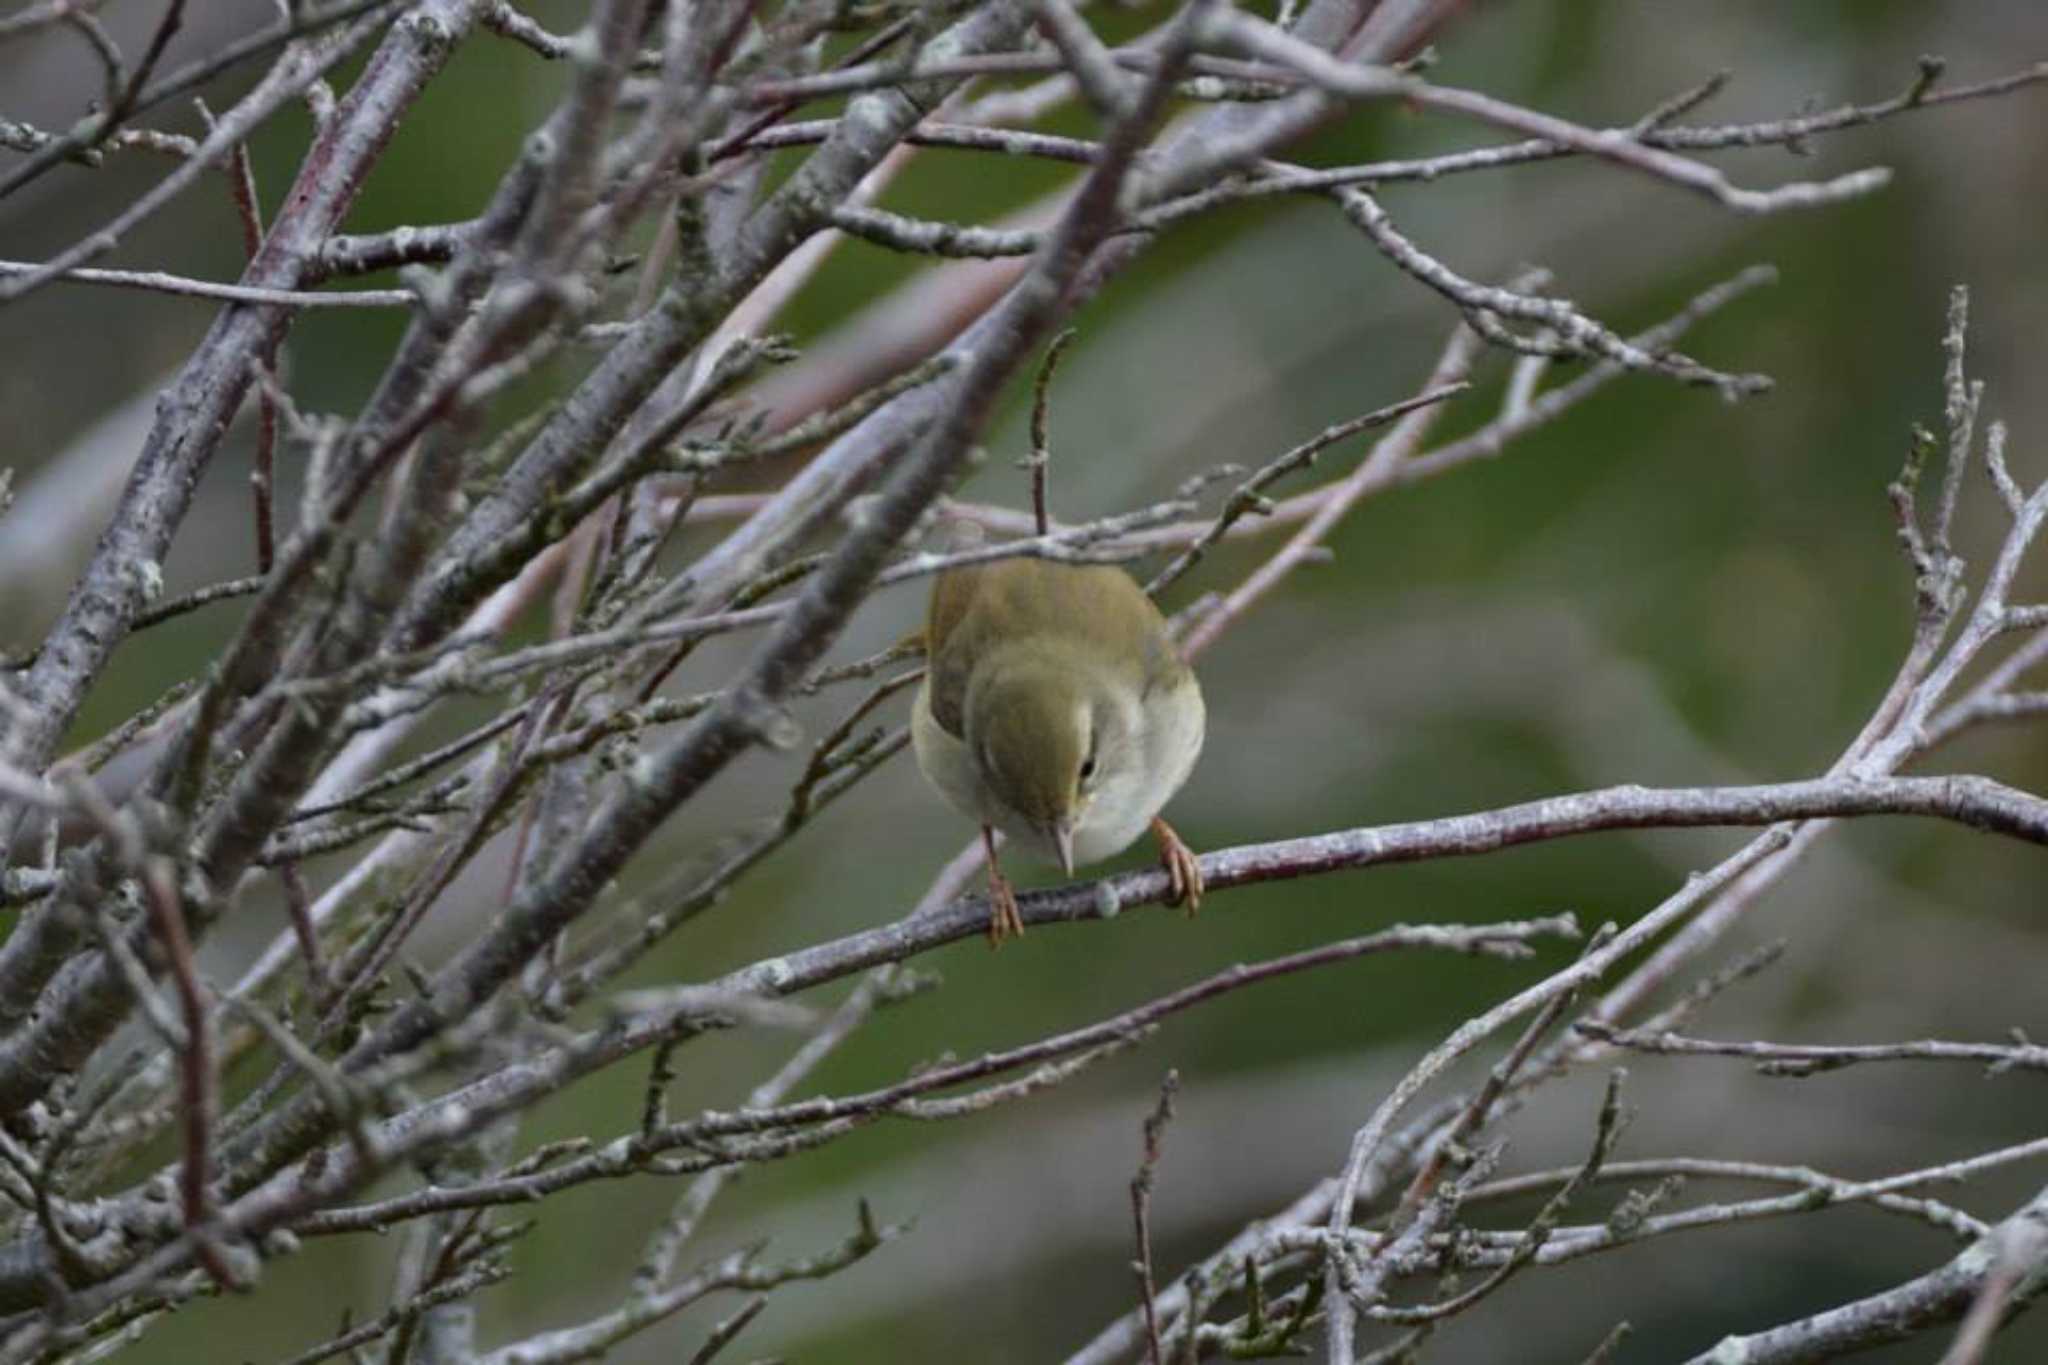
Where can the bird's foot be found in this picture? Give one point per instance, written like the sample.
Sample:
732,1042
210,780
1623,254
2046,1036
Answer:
1183,873
1005,922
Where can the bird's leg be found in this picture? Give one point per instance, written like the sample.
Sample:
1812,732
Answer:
1183,873
1004,922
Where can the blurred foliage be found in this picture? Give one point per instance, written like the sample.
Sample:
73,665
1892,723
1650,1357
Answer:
1736,562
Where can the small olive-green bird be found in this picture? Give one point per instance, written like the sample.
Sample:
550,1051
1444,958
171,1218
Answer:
1056,709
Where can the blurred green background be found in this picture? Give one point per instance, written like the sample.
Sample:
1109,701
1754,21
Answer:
1662,588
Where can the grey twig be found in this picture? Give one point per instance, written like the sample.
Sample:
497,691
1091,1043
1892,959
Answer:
1040,458
1783,1059
1940,1296
1607,1131
161,282
197,598
1141,1214
460,1286
1354,82
1566,331
1249,498
81,140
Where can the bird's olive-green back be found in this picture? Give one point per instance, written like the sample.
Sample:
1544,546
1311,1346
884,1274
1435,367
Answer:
1095,607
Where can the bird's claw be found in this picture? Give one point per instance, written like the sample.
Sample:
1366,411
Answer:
1183,873
1004,920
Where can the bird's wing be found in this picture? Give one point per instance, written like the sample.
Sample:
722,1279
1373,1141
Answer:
1119,610
952,641
1030,597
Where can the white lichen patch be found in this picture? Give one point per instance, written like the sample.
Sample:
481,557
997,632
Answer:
149,579
1107,904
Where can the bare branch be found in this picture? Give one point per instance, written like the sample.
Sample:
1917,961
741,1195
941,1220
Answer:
1901,1313
1781,1059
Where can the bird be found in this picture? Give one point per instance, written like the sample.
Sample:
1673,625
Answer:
1056,708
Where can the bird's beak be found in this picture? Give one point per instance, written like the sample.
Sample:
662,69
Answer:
1063,844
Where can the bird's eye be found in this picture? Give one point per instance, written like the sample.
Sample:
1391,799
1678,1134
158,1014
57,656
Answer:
1088,768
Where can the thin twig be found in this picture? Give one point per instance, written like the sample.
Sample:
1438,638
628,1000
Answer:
1040,458
1783,1059
1141,1213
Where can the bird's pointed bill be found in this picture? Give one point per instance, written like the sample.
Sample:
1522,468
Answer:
1063,843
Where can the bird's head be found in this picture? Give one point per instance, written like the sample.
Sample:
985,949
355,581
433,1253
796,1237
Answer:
1045,731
